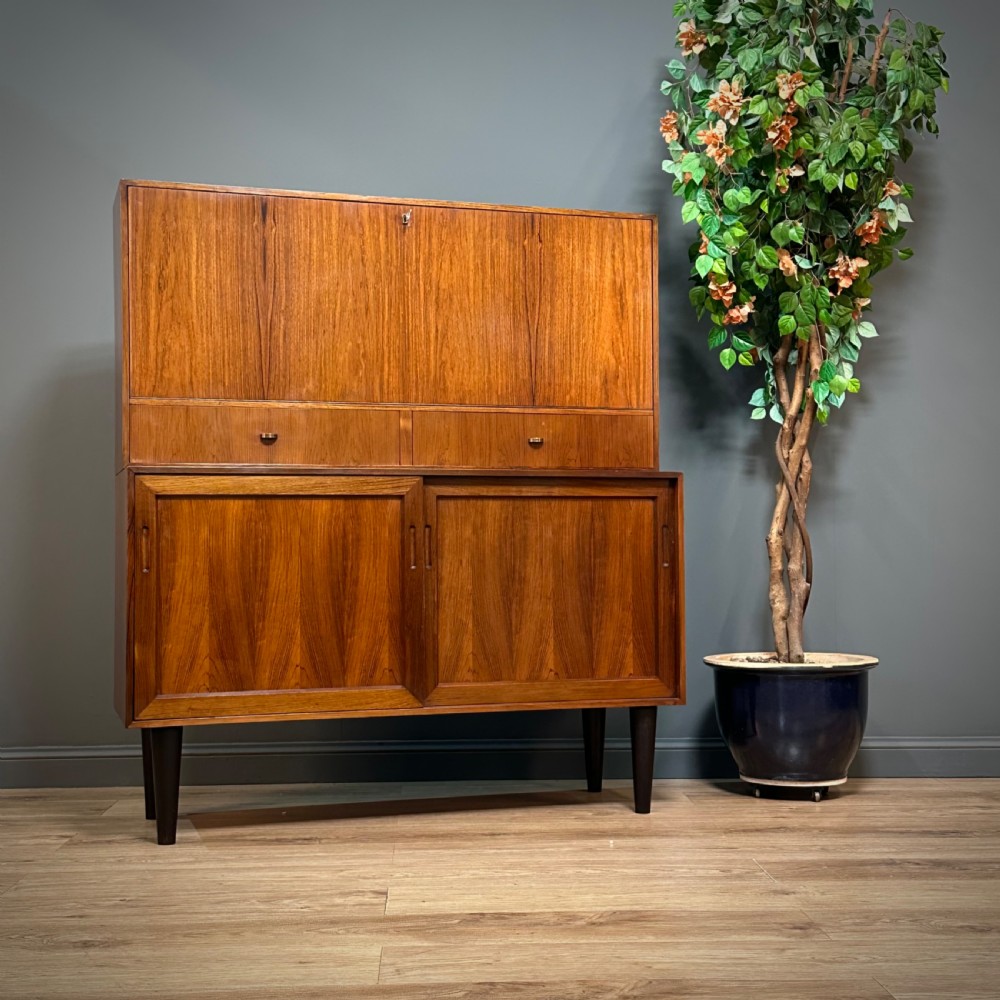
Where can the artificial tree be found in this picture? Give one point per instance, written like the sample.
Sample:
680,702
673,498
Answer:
789,118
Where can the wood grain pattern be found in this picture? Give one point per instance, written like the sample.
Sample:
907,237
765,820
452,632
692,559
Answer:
197,433
336,280
468,335
505,890
544,589
378,199
121,334
243,594
124,586
495,440
595,334
196,327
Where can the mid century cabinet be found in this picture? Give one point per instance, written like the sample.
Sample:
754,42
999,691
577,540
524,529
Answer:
386,457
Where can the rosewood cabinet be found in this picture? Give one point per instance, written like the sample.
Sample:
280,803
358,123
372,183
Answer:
385,457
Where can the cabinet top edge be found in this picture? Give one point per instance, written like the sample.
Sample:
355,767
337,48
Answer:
395,472
379,200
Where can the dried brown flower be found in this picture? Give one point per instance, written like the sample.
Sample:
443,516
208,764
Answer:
723,292
692,40
715,140
703,249
786,264
871,231
668,127
728,102
780,132
859,304
788,83
845,272
781,179
741,313
892,189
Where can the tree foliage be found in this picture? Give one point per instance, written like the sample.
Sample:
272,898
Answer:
788,120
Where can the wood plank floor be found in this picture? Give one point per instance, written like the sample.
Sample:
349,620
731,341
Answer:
528,891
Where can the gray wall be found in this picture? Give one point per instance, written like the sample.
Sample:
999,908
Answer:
546,102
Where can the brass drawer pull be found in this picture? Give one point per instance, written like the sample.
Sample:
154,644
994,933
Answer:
268,437
536,442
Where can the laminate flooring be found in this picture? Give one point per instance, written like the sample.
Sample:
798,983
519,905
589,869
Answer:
527,891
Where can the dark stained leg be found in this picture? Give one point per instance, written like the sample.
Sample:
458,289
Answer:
166,780
147,772
593,746
642,723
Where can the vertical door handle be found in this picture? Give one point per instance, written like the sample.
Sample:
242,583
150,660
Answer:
664,542
144,548
427,546
413,546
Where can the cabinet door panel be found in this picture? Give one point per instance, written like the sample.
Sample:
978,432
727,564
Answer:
595,316
297,589
548,593
195,305
468,328
336,308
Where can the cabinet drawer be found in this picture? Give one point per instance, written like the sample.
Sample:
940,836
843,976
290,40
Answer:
209,433
483,440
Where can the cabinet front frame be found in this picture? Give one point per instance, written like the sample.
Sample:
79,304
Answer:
667,687
149,706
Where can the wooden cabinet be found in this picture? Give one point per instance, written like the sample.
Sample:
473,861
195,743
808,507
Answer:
385,457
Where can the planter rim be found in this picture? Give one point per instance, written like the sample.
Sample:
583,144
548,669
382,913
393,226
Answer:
818,662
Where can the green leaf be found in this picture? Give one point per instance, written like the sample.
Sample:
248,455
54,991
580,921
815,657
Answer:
741,343
677,69
851,181
838,385
728,358
758,105
749,59
703,265
788,302
746,359
822,414
697,295
759,398
817,168
767,258
867,329
903,213
717,337
786,325
710,225
897,60
801,98
689,212
758,413
857,151
854,385
831,182
775,413
780,234
820,391
697,84
905,253
731,199
827,371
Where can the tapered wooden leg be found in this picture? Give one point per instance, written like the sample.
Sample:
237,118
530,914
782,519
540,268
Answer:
642,723
147,772
593,746
166,754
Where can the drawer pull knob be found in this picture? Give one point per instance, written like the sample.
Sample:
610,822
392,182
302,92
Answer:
269,437
536,442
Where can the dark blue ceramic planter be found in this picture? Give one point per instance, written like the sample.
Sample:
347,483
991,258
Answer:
790,724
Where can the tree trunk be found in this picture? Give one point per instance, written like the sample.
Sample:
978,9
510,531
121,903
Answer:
788,544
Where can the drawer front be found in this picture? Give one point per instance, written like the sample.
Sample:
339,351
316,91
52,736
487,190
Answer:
478,440
209,434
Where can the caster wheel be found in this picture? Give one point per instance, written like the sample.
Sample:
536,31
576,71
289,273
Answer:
819,794
757,792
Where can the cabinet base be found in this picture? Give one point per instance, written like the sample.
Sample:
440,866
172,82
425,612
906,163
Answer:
161,764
